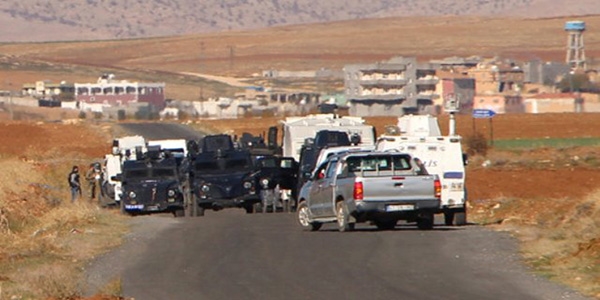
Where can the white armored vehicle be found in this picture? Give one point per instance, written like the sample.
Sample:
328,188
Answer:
124,148
297,129
420,136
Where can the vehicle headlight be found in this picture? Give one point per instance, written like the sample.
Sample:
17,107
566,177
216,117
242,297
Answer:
171,193
205,188
264,182
247,185
132,195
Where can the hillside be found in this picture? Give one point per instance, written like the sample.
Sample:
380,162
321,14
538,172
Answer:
36,20
293,47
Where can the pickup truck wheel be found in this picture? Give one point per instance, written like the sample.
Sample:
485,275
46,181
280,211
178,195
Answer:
304,219
385,225
449,218
342,218
425,222
249,209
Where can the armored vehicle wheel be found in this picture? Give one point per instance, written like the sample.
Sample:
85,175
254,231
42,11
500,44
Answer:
425,221
343,218
179,213
304,220
249,209
385,225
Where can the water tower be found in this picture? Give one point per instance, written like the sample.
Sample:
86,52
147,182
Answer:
575,50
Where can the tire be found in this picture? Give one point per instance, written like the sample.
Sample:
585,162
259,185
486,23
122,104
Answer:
249,209
199,211
342,218
304,219
449,218
385,225
179,213
425,221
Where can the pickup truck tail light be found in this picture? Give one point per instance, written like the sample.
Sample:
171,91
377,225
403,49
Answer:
358,191
437,187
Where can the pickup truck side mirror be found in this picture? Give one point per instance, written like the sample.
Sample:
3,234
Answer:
465,158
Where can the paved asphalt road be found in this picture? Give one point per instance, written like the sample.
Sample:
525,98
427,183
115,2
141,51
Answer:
233,255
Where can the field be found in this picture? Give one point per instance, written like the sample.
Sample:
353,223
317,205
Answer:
245,54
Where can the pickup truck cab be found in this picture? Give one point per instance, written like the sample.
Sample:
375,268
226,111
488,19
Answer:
377,187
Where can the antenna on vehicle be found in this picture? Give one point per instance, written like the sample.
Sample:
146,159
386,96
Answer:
451,106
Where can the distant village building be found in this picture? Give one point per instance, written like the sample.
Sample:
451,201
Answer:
49,90
500,103
110,92
497,77
391,88
547,73
554,103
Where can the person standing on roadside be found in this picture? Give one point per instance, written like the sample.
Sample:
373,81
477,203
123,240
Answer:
74,183
93,176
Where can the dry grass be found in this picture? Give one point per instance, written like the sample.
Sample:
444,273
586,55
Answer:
45,238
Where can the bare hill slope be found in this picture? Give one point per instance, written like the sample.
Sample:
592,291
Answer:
37,20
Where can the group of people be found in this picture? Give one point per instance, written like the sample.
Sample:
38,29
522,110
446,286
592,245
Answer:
93,176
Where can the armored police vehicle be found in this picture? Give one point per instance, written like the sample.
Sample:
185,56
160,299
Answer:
221,176
151,184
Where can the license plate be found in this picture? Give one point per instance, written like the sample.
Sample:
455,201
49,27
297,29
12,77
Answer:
138,206
399,207
456,187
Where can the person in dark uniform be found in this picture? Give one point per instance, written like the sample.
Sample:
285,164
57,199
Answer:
74,183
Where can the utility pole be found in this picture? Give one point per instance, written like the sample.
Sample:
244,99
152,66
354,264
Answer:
231,57
201,69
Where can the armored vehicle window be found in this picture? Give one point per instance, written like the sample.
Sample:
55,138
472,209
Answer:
163,172
207,166
267,163
136,174
236,164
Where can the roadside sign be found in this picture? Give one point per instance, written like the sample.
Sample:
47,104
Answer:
483,113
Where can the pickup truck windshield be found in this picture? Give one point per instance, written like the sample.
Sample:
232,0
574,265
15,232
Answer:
379,163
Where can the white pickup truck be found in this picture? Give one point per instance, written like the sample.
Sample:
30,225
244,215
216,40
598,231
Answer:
377,187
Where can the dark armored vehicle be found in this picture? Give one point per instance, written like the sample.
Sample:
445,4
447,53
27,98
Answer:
276,174
221,176
312,148
277,178
151,184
